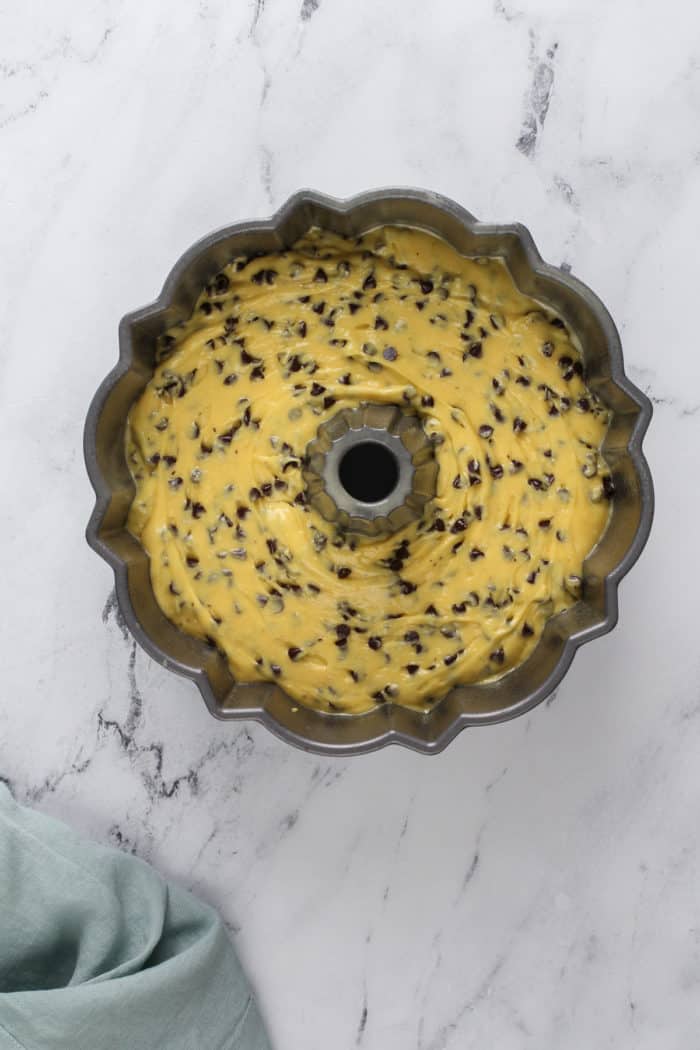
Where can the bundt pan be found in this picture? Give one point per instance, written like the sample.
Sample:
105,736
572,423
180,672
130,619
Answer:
481,704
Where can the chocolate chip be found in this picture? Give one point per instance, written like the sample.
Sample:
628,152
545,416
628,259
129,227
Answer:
527,631
427,401
344,572
380,324
321,275
432,611
449,660
198,509
475,350
458,525
412,668
496,470
498,655
317,389
191,560
406,587
475,553
519,425
544,523
535,483
485,431
370,281
389,353
547,348
374,642
426,286
411,636
342,630
293,652
254,494
608,486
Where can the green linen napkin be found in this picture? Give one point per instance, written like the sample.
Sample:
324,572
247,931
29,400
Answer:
97,952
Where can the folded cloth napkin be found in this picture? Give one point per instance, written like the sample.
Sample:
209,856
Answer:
97,952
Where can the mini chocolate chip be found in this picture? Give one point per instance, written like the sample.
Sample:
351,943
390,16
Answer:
344,572
547,348
496,470
475,350
317,389
412,668
389,353
608,486
411,636
485,431
427,401
431,610
192,560
406,587
535,483
519,425
370,281
374,642
527,631
426,286
380,324
321,275
498,655
544,523
198,509
459,525
475,553
449,660
293,652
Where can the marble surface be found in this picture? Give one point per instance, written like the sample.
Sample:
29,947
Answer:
537,885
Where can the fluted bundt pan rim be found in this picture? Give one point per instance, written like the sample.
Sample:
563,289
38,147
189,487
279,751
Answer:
482,704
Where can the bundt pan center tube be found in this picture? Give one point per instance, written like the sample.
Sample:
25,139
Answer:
380,501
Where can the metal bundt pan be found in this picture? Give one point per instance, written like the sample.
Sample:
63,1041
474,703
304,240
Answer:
481,704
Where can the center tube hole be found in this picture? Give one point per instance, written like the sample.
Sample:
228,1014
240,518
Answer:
369,472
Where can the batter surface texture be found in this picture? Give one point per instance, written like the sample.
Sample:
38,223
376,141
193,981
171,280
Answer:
278,344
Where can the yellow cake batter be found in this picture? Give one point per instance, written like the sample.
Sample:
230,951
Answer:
276,346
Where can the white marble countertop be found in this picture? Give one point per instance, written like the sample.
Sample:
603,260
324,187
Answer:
538,884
